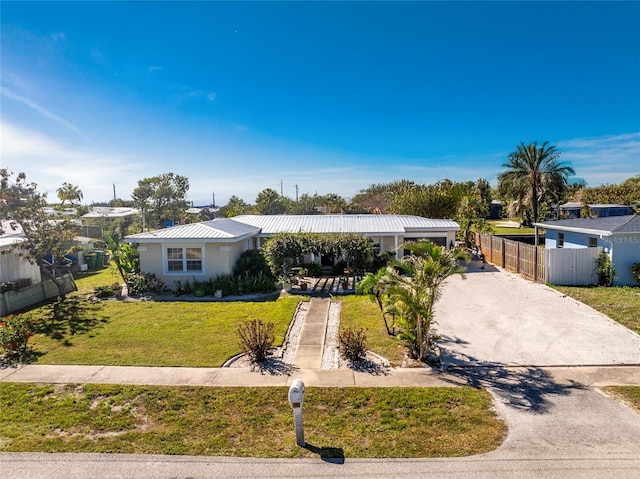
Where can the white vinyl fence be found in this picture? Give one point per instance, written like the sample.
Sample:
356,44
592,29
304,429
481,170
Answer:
572,266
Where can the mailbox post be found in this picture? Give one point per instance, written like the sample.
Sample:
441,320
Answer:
296,398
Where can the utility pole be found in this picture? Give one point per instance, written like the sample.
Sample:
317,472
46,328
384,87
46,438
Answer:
281,190
114,191
214,199
296,193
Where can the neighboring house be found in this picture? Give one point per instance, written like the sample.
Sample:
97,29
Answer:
207,249
100,216
13,267
619,236
573,210
495,210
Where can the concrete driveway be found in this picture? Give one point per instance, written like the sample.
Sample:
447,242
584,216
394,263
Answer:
497,317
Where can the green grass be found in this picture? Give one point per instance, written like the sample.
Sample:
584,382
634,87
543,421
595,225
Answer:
509,231
620,303
148,333
247,422
630,395
87,281
360,312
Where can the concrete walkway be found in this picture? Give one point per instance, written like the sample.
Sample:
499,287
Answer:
308,353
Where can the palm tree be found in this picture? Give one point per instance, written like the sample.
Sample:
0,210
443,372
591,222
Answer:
532,169
413,286
373,285
70,193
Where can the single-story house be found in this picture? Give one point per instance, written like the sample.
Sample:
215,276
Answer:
574,210
13,267
619,236
209,248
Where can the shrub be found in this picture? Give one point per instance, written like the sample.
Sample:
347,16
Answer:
253,263
635,271
103,291
15,331
313,269
256,339
353,344
606,272
138,283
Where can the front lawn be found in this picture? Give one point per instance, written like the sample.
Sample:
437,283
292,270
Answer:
360,312
620,303
147,333
247,422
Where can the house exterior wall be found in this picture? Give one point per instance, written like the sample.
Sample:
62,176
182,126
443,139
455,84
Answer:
572,240
625,251
218,258
13,268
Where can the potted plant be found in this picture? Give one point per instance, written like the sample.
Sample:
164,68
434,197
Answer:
303,286
344,282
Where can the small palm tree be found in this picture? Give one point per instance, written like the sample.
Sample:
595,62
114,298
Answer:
70,193
532,169
414,284
373,285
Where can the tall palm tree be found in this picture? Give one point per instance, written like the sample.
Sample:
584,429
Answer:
413,286
531,170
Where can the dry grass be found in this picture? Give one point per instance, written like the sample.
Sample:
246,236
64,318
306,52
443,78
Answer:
248,422
630,395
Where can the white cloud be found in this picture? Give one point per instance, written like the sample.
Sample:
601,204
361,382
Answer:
606,159
49,163
58,36
44,112
211,96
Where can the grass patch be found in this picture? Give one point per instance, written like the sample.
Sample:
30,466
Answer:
360,312
146,333
630,395
87,281
247,422
497,230
620,303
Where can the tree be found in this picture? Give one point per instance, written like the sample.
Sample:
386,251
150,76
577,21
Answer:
534,173
70,193
428,201
236,207
46,240
269,202
413,285
161,198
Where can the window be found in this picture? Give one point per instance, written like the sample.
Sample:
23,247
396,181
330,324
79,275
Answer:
560,240
593,242
182,260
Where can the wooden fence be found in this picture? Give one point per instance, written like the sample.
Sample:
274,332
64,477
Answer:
527,260
11,301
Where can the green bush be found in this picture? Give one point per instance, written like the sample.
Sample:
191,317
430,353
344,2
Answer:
256,339
313,269
103,291
15,331
138,283
253,263
635,271
353,344
606,272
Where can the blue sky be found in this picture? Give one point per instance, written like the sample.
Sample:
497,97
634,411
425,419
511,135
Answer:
329,96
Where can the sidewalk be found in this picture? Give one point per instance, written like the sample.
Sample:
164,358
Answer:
219,377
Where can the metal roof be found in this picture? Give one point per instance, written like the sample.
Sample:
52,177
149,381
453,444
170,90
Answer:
363,224
238,227
109,212
604,225
217,229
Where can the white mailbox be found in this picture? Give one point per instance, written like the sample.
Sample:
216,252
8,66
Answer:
296,393
296,398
